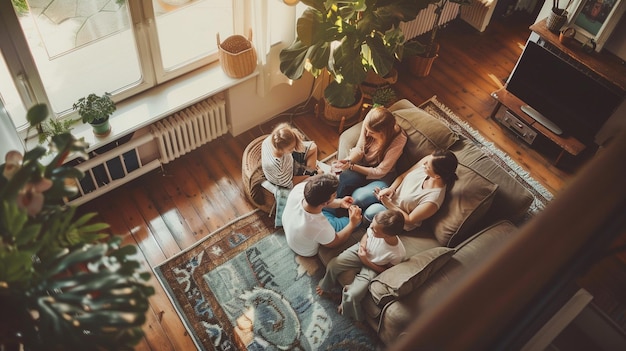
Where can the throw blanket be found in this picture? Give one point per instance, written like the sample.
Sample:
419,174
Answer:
281,194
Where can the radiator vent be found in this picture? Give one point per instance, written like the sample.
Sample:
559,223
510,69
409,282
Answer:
478,13
190,128
426,18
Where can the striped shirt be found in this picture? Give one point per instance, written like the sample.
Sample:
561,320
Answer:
278,170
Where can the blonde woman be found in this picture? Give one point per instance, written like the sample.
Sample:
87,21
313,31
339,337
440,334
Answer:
286,158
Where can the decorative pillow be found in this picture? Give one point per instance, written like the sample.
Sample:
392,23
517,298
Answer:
425,134
464,205
407,276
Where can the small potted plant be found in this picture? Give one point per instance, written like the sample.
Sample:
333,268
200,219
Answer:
96,111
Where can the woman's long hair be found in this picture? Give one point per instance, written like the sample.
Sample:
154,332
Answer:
382,121
285,135
444,165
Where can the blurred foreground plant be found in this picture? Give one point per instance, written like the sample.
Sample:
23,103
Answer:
62,287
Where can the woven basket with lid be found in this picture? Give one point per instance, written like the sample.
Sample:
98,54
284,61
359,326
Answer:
237,55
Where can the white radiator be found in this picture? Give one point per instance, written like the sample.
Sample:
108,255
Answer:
478,13
190,128
426,18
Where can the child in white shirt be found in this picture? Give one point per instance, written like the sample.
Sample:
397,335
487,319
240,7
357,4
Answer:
379,249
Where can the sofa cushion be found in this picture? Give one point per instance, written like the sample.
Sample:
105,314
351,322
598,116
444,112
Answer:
403,278
464,205
425,133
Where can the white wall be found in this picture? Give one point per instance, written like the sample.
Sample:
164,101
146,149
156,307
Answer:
247,109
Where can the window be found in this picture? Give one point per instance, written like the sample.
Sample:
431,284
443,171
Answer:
58,51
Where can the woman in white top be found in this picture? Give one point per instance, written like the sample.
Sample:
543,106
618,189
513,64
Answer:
286,158
419,192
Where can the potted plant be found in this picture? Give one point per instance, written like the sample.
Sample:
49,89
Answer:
383,96
52,127
96,111
420,56
61,286
347,39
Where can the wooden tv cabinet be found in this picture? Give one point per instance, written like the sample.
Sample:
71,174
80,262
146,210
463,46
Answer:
513,104
603,65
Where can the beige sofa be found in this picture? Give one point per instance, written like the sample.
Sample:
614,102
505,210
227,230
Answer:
476,215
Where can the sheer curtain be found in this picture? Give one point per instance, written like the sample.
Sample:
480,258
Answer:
273,29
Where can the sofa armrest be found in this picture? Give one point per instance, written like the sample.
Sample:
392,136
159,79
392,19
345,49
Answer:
347,140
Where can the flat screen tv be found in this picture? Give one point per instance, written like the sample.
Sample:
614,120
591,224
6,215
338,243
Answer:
574,101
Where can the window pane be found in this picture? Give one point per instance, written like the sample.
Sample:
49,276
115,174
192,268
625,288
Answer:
187,29
81,47
10,98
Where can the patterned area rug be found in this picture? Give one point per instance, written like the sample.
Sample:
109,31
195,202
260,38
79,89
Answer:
458,125
242,288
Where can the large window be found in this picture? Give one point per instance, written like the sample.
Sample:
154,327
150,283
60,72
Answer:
56,51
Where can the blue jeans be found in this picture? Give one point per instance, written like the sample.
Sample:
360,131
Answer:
371,211
360,188
337,222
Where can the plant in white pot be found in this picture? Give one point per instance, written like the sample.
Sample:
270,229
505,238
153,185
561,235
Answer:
96,111
420,56
348,39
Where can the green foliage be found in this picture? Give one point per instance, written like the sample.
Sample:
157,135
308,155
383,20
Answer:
94,108
52,127
383,96
20,6
61,286
348,38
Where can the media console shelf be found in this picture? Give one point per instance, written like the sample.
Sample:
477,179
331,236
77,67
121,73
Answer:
513,104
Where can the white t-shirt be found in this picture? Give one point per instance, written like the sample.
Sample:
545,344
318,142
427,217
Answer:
305,231
381,253
411,193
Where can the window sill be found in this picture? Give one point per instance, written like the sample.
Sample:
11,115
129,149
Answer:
161,101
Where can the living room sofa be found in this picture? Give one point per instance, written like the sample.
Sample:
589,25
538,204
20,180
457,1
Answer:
477,215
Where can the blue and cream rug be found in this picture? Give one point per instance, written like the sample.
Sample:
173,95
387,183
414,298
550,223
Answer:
242,288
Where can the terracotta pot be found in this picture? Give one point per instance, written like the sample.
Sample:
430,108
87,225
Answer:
342,115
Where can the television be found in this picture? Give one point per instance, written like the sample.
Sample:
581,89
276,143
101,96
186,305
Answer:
578,102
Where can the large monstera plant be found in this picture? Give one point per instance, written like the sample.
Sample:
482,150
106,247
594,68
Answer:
63,285
349,38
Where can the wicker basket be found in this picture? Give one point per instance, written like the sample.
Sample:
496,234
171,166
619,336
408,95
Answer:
237,55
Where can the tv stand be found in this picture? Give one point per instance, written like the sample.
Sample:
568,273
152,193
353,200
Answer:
537,116
525,122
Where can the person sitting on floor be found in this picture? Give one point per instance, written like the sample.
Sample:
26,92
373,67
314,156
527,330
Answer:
286,160
308,219
379,249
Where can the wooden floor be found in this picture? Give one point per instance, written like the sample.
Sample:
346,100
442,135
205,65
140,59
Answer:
166,211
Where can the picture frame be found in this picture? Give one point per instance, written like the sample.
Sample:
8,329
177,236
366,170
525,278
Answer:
595,20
